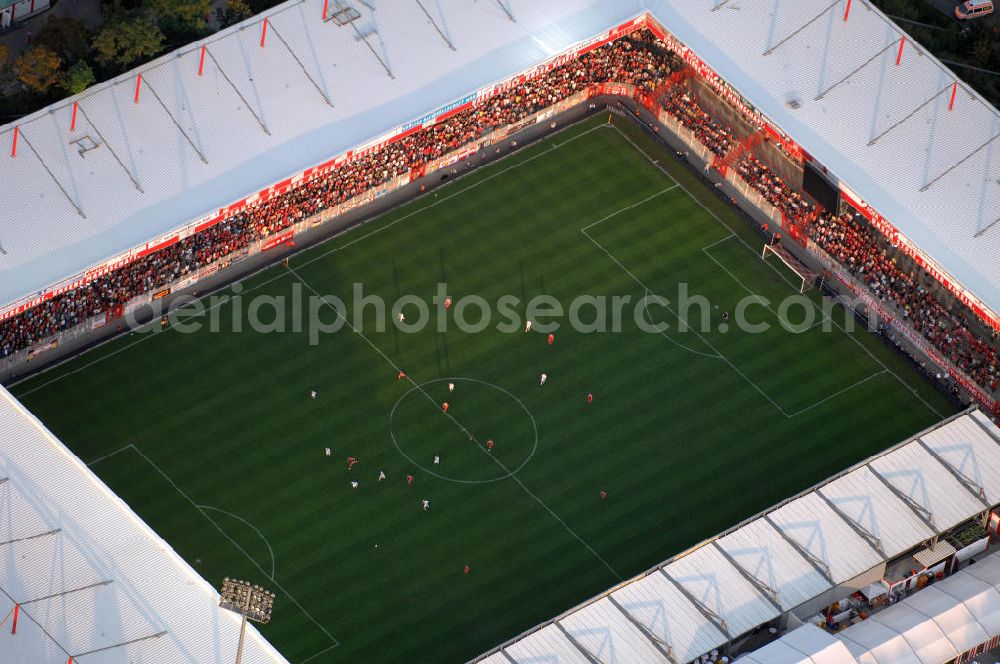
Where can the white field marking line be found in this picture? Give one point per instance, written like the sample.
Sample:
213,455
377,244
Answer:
270,549
839,392
646,317
648,291
321,652
452,195
629,207
460,426
329,252
108,455
694,331
236,544
709,246
782,276
821,321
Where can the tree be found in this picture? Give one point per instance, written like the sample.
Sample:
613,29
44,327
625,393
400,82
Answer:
39,69
79,77
181,15
4,55
236,11
67,37
127,41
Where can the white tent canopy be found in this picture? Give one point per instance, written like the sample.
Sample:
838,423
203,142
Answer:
832,534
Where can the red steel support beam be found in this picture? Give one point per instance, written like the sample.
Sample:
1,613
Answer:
138,86
847,12
17,610
954,91
899,56
201,63
326,6
13,153
72,120
263,33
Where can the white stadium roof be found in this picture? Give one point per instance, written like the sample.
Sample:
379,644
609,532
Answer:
781,559
195,144
182,118
931,626
884,131
91,577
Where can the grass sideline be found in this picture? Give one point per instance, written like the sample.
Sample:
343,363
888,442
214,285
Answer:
214,441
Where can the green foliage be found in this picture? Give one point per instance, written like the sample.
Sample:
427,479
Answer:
181,15
79,77
67,37
235,11
126,41
39,69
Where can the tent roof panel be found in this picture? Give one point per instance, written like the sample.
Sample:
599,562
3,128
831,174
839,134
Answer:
971,451
763,554
920,477
819,530
656,604
548,644
716,584
866,500
609,636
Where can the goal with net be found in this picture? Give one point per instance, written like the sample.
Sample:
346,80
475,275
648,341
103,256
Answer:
807,276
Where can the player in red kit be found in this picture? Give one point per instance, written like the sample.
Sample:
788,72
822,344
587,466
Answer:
409,480
489,445
467,570
604,494
590,397
350,462
447,303
401,375
444,407
552,339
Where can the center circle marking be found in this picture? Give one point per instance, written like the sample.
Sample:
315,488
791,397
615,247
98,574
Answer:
420,387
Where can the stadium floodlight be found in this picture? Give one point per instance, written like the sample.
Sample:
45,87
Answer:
250,601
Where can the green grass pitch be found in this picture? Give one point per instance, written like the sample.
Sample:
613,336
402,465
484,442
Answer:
214,440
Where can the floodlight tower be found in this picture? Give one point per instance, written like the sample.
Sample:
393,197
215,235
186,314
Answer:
250,601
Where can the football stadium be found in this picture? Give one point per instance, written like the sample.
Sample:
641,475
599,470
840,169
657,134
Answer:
506,332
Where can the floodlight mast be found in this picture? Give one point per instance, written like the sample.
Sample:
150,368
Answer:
250,601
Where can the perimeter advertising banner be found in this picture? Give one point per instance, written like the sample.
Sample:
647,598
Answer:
899,241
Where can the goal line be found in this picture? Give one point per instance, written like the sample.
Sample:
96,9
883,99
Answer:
807,276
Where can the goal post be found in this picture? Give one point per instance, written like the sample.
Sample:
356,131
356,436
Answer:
807,276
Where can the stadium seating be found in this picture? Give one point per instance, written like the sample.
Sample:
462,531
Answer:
639,59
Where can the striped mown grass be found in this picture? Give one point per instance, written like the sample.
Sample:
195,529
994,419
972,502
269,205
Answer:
213,439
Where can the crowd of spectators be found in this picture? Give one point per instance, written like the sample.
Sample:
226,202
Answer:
712,134
757,174
638,59
854,243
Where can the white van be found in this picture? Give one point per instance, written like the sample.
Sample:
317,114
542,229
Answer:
973,9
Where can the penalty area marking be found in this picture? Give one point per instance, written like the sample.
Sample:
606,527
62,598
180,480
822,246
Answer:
712,214
307,261
270,549
201,510
509,472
